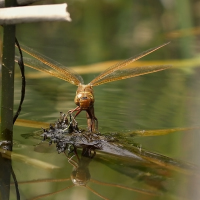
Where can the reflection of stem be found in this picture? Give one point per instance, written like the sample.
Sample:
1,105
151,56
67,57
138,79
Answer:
153,193
15,183
93,191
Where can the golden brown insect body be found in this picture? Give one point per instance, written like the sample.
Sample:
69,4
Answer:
84,98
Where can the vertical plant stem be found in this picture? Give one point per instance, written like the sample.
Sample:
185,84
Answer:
7,99
7,90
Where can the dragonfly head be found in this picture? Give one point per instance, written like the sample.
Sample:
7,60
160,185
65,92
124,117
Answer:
84,96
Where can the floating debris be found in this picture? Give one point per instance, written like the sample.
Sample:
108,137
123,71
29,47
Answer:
67,136
5,145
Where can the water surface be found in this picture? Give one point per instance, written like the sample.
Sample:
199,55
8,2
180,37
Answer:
106,31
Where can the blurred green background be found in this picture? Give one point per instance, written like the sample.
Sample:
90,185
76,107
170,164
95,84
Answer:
112,30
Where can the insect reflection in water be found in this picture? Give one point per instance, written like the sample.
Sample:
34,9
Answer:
153,172
152,181
84,98
80,176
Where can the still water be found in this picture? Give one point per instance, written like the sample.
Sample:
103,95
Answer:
111,31
162,100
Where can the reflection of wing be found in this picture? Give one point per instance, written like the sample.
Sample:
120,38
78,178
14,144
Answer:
45,64
133,152
145,175
152,171
126,139
111,73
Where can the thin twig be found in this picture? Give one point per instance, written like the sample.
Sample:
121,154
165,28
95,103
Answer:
21,66
15,183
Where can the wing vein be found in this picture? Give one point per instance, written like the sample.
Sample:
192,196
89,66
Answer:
47,65
121,65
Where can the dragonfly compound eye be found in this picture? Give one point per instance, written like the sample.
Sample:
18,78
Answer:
84,98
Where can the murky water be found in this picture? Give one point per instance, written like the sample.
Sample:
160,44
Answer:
163,100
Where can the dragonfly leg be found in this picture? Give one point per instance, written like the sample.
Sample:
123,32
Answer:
75,109
88,152
75,152
91,119
77,113
94,119
78,109
96,124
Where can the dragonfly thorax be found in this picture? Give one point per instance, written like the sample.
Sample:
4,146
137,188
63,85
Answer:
84,96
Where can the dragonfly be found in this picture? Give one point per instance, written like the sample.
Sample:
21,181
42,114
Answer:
84,98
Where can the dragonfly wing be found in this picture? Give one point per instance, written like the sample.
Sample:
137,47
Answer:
123,64
35,64
48,65
129,73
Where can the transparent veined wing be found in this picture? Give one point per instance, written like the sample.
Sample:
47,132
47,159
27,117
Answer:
48,65
111,73
129,73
